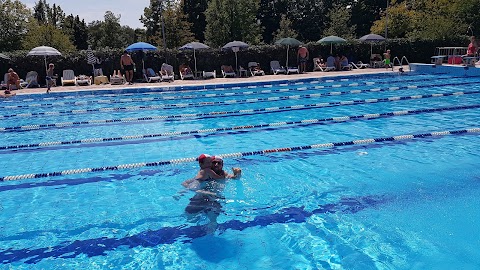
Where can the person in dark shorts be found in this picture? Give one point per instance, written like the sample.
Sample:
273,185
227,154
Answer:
127,65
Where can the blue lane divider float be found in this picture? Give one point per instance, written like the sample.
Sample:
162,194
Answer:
217,103
244,127
204,96
243,154
236,112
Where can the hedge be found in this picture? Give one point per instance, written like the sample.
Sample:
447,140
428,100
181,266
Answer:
212,59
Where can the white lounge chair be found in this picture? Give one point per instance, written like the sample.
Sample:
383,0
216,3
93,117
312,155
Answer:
68,77
276,68
14,87
209,74
167,73
32,79
318,64
83,80
185,72
359,65
376,61
227,71
117,78
330,64
255,69
292,70
151,76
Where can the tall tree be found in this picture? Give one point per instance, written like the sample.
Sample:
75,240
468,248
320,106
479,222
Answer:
14,17
109,33
195,12
77,30
338,23
270,14
364,13
169,14
285,29
40,11
46,35
308,17
232,20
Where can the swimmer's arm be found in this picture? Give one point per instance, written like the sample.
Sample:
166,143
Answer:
237,173
213,175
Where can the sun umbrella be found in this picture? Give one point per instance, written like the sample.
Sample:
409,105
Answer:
141,46
289,42
235,46
331,40
3,56
91,59
194,46
44,51
371,38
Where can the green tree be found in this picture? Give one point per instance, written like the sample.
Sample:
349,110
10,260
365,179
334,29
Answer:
195,12
46,35
308,17
364,13
339,22
270,15
176,26
40,11
285,29
14,17
232,20
400,22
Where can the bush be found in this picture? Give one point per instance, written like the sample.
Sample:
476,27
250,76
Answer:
212,59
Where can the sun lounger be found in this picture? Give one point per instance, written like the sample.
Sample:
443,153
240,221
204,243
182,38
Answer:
166,72
227,71
255,69
83,80
68,77
276,68
209,74
150,75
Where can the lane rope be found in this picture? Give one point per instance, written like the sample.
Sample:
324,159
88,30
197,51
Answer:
244,127
224,103
205,96
236,112
243,154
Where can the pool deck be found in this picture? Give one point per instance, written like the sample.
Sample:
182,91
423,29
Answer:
218,80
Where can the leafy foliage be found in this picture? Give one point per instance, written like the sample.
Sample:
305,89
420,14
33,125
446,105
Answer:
232,20
14,16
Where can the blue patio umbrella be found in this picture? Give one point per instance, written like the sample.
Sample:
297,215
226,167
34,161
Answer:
235,46
331,40
141,46
289,42
371,38
194,46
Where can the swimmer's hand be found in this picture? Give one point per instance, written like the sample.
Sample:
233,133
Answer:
237,172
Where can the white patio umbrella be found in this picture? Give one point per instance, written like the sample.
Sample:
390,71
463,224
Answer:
235,46
44,51
371,38
194,46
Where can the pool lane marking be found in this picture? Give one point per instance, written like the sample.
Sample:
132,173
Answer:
334,119
243,154
126,100
227,102
226,113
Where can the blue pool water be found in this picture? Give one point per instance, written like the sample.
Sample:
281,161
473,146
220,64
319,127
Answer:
92,180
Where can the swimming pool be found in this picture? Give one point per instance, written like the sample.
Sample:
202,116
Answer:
92,180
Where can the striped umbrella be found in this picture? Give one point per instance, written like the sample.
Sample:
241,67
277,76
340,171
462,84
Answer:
91,59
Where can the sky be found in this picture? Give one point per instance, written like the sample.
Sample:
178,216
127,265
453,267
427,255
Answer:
94,10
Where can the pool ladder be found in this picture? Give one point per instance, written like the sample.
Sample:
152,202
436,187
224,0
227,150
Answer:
400,62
